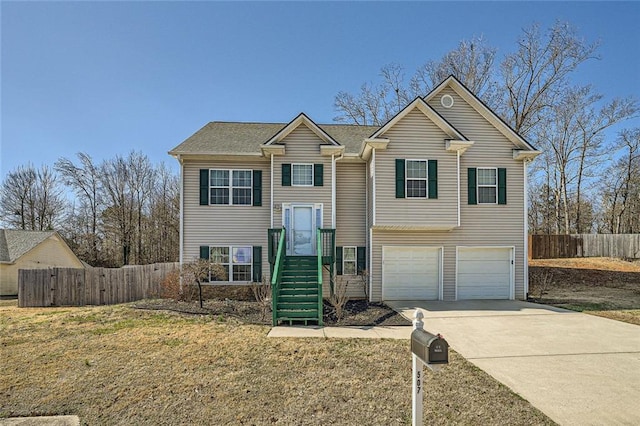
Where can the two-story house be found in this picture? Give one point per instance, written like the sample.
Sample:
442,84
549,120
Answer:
430,206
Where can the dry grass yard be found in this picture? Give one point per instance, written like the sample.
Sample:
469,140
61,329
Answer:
116,365
599,286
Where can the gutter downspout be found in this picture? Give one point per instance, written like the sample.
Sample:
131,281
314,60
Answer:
181,211
333,191
271,191
458,175
526,230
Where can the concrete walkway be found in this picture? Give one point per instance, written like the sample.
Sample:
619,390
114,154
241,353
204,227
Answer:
390,332
578,369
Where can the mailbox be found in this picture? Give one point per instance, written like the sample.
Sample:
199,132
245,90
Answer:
429,348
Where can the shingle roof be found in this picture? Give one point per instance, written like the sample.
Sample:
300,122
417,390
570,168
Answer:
15,242
245,138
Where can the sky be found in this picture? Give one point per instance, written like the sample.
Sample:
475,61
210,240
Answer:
106,78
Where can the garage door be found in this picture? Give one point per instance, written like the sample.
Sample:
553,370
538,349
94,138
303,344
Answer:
410,273
484,273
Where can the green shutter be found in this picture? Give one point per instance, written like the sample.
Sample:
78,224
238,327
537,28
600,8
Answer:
400,178
502,186
286,175
318,175
433,178
257,187
362,259
471,187
257,264
204,252
204,187
339,260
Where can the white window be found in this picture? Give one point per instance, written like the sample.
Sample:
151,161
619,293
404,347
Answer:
236,260
416,178
487,186
349,264
302,174
232,187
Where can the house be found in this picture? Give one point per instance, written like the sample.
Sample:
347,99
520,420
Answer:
31,250
432,205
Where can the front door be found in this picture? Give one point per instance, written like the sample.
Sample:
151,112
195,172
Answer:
302,236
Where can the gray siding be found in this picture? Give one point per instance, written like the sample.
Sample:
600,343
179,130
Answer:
224,225
415,137
481,225
302,146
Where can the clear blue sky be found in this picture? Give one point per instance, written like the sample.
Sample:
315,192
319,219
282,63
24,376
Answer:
109,77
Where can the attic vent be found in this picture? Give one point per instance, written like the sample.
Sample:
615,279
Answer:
446,101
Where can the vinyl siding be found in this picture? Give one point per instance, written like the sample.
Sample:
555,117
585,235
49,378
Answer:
482,224
351,204
302,146
415,137
50,253
224,225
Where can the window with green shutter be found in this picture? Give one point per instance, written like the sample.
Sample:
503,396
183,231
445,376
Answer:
257,264
230,187
362,259
487,185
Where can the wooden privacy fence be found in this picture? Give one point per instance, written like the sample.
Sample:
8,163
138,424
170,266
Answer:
584,245
91,286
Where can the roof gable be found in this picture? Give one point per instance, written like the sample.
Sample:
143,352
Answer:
294,124
426,109
482,109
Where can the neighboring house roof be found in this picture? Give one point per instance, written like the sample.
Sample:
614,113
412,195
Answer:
15,242
221,138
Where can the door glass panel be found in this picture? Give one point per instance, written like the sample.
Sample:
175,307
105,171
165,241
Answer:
302,231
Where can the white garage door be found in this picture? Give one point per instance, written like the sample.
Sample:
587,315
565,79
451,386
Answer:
410,273
484,273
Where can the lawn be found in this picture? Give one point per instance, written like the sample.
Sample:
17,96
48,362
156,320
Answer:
599,286
121,365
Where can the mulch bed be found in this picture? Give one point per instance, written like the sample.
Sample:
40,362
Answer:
356,312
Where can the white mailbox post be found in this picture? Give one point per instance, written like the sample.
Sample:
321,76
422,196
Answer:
417,398
426,349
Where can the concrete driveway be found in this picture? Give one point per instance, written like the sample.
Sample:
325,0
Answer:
578,369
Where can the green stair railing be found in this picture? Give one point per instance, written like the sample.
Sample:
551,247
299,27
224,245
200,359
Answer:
319,254
276,275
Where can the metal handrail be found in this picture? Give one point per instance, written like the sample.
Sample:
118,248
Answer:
319,254
275,277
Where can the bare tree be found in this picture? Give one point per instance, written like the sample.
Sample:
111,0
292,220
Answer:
141,181
621,188
84,180
472,62
376,103
535,76
32,199
118,216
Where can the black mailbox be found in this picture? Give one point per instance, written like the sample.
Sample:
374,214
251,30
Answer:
429,348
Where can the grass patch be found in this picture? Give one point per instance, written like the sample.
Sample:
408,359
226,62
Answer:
119,365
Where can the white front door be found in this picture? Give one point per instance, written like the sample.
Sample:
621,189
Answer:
303,237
